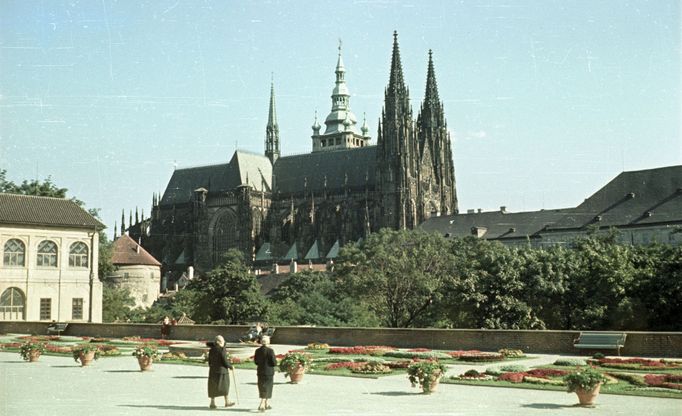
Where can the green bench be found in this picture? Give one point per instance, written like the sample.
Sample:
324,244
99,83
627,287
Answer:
57,327
600,341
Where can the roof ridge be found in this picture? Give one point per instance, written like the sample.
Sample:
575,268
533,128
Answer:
39,196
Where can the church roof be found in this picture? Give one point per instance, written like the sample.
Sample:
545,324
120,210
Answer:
293,173
216,178
44,211
127,252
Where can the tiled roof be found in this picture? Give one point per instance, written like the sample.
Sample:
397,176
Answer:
127,252
632,198
44,211
354,168
497,224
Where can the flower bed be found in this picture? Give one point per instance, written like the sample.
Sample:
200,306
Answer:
362,350
546,372
370,368
512,377
433,355
10,345
510,353
317,346
58,349
540,380
570,362
398,364
458,353
419,350
343,364
668,381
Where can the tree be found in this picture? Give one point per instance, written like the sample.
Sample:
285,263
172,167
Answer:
116,304
315,298
398,274
229,293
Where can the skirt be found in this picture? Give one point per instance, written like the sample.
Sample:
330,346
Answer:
265,386
218,384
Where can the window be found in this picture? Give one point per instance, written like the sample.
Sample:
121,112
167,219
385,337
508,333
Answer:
12,305
78,255
47,254
77,308
225,235
45,309
14,253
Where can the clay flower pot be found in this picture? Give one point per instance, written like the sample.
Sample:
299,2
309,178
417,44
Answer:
297,374
33,356
432,386
145,362
588,397
86,357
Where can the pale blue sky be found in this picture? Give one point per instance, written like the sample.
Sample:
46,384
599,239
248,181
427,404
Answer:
546,100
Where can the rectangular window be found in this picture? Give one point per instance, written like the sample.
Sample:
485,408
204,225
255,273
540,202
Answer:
77,308
45,309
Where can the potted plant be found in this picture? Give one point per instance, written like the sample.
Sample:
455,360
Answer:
586,384
295,364
85,353
426,374
30,351
146,354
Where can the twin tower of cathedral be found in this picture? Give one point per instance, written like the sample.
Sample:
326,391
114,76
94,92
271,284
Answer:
278,208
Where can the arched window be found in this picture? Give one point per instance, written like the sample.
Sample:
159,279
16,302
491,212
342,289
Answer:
12,305
47,254
225,235
14,253
78,255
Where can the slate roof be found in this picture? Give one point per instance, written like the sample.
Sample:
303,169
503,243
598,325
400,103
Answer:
126,252
499,225
292,172
632,198
44,211
243,167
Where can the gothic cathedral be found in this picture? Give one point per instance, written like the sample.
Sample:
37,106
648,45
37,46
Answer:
302,208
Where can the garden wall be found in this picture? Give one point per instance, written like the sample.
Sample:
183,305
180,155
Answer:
649,344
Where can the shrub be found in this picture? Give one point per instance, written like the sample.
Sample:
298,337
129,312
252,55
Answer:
513,368
108,350
570,362
598,356
481,357
539,380
421,355
425,373
292,360
398,364
471,373
586,379
512,377
169,356
510,353
371,368
493,371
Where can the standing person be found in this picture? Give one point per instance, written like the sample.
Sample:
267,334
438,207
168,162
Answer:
218,372
165,327
266,361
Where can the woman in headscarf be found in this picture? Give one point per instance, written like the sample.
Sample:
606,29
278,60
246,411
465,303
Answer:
218,372
266,361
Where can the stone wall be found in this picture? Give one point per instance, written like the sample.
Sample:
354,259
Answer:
648,344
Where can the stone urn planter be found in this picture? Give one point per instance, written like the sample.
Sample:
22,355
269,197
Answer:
296,375
426,374
585,384
295,364
85,353
31,351
587,397
145,354
145,363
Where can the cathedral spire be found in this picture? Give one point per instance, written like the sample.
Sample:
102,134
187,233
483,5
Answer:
272,129
396,82
431,92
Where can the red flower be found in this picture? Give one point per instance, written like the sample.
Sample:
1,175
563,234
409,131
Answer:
512,377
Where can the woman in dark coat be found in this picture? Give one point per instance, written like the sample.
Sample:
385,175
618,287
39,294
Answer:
266,361
218,372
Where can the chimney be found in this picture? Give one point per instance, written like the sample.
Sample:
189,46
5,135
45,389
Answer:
480,210
190,272
503,209
471,211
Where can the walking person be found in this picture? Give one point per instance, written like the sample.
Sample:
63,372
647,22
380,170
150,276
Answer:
266,361
218,372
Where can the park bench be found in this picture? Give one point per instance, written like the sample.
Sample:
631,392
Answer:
57,328
600,340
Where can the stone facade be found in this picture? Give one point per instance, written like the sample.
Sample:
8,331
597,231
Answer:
304,207
136,270
49,265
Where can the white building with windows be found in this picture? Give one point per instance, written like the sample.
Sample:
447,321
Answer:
49,260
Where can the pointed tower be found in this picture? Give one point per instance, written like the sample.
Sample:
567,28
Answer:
341,130
397,150
439,196
272,129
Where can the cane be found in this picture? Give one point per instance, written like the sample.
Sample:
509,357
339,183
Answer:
236,391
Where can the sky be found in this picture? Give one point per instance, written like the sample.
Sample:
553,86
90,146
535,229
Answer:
546,100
